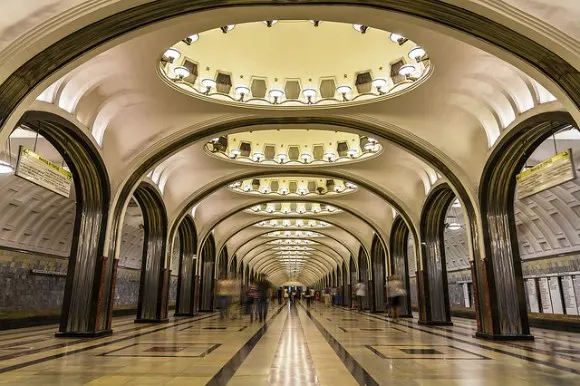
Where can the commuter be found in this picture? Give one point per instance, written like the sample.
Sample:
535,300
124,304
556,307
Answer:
280,292
285,294
253,297
312,295
334,294
265,292
236,294
326,296
395,294
308,298
224,297
361,293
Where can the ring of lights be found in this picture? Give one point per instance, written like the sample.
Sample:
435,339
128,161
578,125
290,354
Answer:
293,147
293,209
209,65
293,186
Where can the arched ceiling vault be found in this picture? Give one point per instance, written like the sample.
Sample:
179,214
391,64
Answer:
323,248
235,225
222,206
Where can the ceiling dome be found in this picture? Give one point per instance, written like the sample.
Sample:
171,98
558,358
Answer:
277,64
294,147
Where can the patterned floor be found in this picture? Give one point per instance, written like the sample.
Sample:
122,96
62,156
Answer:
323,346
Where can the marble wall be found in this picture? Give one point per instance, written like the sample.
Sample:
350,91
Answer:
25,293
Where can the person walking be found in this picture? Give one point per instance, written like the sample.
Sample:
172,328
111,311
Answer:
334,295
280,291
223,294
253,296
307,297
361,293
265,292
395,294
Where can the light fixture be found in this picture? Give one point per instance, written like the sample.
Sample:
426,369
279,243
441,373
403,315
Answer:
302,191
286,210
242,91
6,167
398,38
270,23
181,72
352,152
309,93
315,22
256,208
305,157
276,94
417,53
258,156
454,226
265,190
407,70
270,209
337,188
235,152
344,90
329,156
282,157
236,184
283,190
456,203
379,84
350,185
172,54
247,188
227,28
330,208
360,28
191,39
208,84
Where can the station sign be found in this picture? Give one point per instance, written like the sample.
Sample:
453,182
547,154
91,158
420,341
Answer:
42,172
552,172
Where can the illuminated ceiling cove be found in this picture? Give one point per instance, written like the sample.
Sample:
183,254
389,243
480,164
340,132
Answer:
293,186
293,223
294,148
277,64
293,209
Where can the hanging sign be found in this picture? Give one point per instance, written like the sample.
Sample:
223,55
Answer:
549,173
42,172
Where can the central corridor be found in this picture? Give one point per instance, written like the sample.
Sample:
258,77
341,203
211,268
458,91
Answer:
295,346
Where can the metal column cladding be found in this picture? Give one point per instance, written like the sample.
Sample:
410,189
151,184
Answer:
433,248
399,259
185,280
84,283
155,240
378,260
505,284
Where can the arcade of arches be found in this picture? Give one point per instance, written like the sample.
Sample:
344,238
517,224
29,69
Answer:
151,149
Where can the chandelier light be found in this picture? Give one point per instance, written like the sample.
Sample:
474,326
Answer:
276,94
258,156
172,54
191,39
407,70
181,72
282,157
380,84
417,53
344,90
398,38
227,28
234,153
360,28
270,23
208,84
242,91
352,152
310,94
306,157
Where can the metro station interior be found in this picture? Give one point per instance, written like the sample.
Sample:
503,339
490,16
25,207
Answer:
151,151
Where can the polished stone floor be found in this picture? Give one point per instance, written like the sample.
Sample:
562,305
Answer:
326,346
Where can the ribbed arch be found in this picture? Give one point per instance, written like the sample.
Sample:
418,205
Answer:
185,305
207,272
399,263
378,266
507,315
82,313
153,287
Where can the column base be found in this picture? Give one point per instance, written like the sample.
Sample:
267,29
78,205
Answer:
70,334
434,323
486,336
151,320
185,314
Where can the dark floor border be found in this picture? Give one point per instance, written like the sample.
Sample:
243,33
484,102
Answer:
358,372
482,346
45,320
535,320
99,345
226,373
